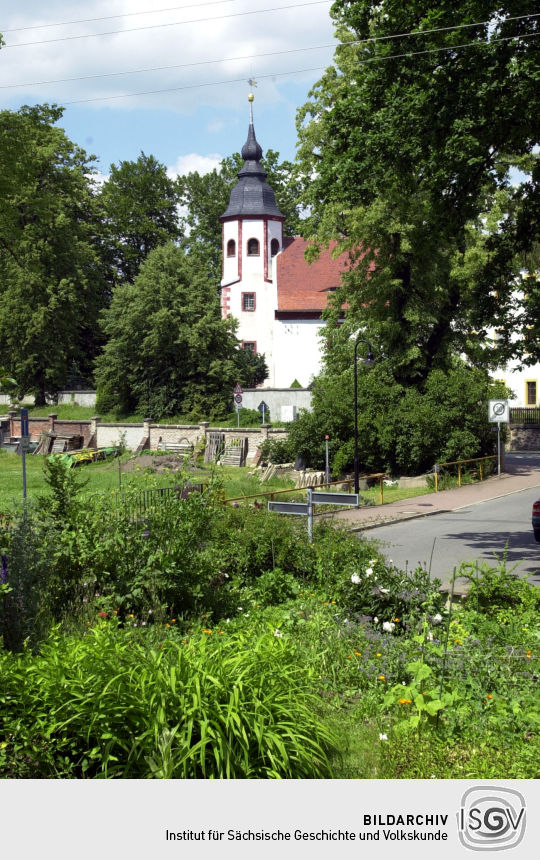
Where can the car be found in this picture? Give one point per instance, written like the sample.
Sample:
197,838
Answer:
536,520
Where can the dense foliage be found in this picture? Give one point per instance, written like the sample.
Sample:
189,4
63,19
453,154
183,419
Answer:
402,430
203,641
411,142
139,209
168,351
52,284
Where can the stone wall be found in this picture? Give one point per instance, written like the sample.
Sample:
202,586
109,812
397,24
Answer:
108,435
524,437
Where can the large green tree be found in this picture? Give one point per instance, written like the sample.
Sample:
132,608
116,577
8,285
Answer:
205,198
410,140
168,351
51,284
139,209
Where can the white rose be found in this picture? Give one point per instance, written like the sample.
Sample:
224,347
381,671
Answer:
388,626
355,579
437,618
369,571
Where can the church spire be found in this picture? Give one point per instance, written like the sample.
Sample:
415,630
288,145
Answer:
252,195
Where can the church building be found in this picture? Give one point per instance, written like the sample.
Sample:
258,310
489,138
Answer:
267,285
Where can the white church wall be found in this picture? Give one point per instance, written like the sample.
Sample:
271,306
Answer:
230,264
297,351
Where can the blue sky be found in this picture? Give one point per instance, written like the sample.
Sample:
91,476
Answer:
193,125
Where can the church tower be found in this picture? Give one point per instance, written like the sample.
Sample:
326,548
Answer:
252,236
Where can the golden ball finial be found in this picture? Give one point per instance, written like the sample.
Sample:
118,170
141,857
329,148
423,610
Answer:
251,97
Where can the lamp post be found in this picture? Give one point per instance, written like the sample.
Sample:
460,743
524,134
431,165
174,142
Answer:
369,360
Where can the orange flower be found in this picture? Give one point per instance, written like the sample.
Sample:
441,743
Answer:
490,696
405,701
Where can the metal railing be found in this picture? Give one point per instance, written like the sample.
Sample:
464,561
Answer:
348,481
525,415
459,463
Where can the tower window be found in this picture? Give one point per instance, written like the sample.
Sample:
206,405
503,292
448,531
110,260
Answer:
250,345
248,301
253,248
274,247
231,248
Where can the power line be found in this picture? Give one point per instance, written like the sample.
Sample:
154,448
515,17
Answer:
111,17
298,71
171,24
165,68
335,45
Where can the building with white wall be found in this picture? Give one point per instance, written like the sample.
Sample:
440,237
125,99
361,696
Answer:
267,285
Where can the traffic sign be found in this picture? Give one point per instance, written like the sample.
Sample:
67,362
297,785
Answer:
498,411
238,398
238,389
25,444
297,509
335,499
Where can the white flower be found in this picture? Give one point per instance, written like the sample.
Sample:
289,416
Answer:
246,614
277,632
429,637
355,579
437,618
384,590
383,737
375,620
388,626
369,571
373,561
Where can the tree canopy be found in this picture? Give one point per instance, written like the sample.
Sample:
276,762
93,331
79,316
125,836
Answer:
139,209
51,283
168,351
411,141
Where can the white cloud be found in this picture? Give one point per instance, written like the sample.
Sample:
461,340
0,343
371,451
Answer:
213,37
194,162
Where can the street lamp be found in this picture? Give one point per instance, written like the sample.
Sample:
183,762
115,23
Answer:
369,360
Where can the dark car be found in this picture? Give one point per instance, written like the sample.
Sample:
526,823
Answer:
536,520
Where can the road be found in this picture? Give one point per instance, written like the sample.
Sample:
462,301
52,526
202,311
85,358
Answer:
478,531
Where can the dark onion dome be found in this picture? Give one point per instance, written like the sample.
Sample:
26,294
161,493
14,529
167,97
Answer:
252,195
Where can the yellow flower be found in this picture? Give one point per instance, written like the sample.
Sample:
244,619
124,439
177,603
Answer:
405,701
396,619
3,745
333,602
167,625
382,678
528,655
378,654
129,616
173,620
358,653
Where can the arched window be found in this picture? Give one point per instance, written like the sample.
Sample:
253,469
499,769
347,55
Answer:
253,248
231,248
274,247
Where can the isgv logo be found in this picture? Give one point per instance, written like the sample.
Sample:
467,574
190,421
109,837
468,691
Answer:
491,818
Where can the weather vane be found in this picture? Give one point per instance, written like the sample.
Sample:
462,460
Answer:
252,83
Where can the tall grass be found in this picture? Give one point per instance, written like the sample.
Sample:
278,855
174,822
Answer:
113,705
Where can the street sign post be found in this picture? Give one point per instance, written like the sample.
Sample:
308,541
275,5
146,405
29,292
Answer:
238,391
499,412
263,409
25,439
299,509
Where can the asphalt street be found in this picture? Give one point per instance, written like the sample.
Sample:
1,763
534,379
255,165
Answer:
486,530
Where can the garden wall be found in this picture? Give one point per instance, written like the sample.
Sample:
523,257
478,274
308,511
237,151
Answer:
98,434
524,437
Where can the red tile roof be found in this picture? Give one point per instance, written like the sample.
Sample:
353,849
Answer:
306,286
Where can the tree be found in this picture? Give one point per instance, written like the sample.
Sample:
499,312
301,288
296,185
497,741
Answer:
51,286
401,430
168,350
205,198
410,141
139,203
